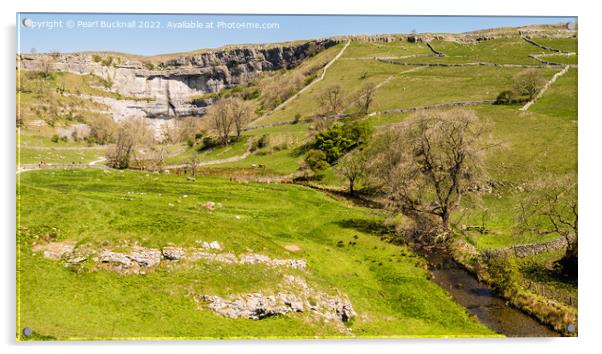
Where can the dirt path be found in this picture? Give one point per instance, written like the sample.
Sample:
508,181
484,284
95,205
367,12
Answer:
318,79
101,159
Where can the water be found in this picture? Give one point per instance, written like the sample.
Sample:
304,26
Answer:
479,299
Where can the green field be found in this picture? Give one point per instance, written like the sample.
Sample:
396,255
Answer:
564,44
512,50
386,284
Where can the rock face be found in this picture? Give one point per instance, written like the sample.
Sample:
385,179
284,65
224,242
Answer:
172,82
298,297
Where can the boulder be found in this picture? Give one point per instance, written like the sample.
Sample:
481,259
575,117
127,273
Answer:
145,257
173,253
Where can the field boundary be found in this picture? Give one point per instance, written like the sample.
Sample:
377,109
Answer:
308,86
478,63
545,88
539,45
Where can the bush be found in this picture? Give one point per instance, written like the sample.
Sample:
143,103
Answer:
316,160
55,138
528,83
261,143
208,143
102,130
341,138
505,97
190,142
503,272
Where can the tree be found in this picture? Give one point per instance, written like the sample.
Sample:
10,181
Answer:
102,129
340,139
193,164
131,135
353,167
242,114
366,98
220,116
331,101
426,165
528,83
550,207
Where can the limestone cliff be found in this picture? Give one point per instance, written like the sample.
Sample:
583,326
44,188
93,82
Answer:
171,82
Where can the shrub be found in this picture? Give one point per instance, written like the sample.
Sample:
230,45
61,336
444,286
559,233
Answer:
505,97
108,61
297,118
102,130
55,138
261,143
528,83
316,160
209,142
503,272
340,139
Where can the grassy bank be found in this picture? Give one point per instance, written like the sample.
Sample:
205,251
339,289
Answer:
386,284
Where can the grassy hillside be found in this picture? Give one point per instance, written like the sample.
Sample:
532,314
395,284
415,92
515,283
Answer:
386,284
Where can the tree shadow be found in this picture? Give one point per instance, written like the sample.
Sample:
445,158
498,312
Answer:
374,227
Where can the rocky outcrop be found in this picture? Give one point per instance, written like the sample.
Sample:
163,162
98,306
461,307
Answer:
139,260
298,297
172,82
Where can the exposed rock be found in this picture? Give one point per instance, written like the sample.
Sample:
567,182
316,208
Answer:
146,257
292,248
107,256
139,259
55,250
216,257
133,262
173,253
253,258
215,245
298,298
172,83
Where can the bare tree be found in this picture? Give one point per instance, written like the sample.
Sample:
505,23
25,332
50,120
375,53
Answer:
331,101
426,165
102,129
353,167
366,98
220,115
119,155
193,164
153,159
528,83
132,136
550,207
242,113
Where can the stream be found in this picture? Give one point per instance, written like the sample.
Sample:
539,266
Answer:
480,300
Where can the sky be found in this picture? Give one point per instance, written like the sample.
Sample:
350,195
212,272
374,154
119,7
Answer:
151,34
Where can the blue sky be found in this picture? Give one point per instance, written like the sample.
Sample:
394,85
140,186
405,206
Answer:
150,34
